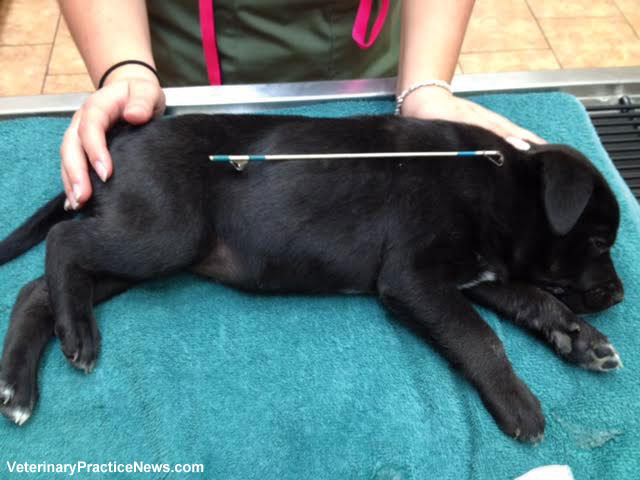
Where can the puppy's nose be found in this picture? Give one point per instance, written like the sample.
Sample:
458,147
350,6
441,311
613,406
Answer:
615,291
604,296
617,294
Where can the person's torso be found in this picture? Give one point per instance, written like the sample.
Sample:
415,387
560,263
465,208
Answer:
271,41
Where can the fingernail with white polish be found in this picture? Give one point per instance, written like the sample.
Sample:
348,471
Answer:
101,170
67,204
518,143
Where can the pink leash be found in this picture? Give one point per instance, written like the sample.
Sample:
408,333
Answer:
359,33
209,44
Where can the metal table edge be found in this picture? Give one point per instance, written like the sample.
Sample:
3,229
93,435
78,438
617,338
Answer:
584,83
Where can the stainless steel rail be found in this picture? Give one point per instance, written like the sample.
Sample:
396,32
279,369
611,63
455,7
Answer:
592,86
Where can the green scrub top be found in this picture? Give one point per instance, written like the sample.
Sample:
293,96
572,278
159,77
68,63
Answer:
265,41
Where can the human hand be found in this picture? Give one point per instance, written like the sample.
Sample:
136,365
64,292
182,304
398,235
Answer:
132,93
434,102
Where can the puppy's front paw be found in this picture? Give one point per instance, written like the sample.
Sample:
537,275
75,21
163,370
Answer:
586,346
517,411
601,357
80,343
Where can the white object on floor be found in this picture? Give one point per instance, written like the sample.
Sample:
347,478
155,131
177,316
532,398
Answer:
548,472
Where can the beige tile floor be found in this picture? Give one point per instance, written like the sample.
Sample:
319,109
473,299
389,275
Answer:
37,54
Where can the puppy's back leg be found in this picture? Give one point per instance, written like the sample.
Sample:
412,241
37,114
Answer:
30,329
79,251
442,314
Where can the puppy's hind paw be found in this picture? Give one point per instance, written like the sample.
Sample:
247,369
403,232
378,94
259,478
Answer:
17,415
80,343
17,400
86,366
6,392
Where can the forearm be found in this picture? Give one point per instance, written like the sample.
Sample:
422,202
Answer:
109,31
432,35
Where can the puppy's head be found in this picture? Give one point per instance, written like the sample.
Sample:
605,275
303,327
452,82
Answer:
582,217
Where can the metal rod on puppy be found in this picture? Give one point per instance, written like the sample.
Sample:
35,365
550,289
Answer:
240,161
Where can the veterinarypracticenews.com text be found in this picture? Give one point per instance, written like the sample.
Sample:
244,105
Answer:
102,468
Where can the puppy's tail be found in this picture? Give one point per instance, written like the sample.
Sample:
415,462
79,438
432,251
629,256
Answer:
34,230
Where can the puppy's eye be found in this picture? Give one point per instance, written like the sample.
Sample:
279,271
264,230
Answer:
600,244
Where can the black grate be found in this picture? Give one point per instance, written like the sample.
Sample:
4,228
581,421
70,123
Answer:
618,126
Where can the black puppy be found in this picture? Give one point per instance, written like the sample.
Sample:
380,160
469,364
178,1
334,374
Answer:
529,239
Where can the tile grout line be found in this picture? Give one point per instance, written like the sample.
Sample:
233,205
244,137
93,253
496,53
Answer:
544,35
493,70
24,44
46,72
67,74
512,50
626,19
583,17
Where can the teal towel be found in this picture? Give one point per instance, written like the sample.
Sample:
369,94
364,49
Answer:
299,387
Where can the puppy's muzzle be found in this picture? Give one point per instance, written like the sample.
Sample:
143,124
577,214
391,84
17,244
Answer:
603,296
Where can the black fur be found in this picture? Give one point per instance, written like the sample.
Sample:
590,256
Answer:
530,239
34,230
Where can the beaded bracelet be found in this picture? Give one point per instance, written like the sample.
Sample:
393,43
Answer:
429,83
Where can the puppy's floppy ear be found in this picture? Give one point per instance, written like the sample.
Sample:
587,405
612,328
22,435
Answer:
567,185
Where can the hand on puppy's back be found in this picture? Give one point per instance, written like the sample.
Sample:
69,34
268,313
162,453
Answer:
131,93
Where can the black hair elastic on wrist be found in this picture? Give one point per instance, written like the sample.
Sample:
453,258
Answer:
126,62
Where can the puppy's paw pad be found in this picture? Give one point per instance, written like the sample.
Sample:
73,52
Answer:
602,358
18,415
586,346
603,351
